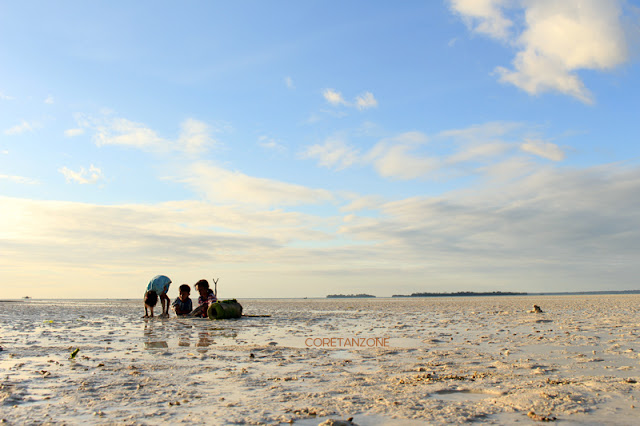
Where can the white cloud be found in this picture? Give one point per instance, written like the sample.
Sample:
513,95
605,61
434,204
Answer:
366,100
484,142
271,144
123,132
6,97
482,132
399,162
83,176
560,38
334,153
224,186
23,127
18,179
482,151
289,82
49,100
477,150
484,16
73,132
367,202
195,137
333,97
543,149
397,158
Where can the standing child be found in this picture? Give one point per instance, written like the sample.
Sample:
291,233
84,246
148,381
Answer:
182,305
157,287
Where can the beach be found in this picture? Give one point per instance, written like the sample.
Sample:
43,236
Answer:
380,361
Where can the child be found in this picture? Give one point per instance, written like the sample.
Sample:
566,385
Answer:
150,300
206,297
157,287
182,305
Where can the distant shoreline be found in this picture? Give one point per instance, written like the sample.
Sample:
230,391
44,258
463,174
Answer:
485,294
350,296
508,293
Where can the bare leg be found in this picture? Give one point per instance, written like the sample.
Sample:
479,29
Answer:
165,305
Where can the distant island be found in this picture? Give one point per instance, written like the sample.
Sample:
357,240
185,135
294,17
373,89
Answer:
462,293
348,296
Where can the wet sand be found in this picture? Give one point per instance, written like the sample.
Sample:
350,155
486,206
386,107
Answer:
446,360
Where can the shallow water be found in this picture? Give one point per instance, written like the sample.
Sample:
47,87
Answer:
383,361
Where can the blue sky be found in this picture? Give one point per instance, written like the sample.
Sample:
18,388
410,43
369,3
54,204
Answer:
306,148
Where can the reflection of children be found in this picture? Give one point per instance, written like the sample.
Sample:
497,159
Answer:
206,298
160,286
182,305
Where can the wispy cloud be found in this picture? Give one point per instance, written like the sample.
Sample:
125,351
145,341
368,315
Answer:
543,149
397,158
49,100
364,101
19,179
559,39
271,144
6,97
333,153
288,81
232,187
123,132
484,16
73,132
411,155
334,97
83,176
195,136
23,127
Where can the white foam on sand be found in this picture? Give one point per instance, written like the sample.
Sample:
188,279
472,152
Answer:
446,360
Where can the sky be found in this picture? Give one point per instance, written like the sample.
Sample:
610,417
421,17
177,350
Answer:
299,149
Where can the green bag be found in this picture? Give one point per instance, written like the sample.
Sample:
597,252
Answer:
224,310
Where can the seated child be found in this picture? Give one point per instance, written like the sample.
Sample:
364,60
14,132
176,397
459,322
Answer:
206,297
182,305
160,286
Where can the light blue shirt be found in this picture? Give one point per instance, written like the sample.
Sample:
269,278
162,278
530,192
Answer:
159,284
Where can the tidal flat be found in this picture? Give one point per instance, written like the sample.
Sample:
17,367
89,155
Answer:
485,360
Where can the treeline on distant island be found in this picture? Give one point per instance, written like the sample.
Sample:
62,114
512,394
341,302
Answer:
462,293
344,296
